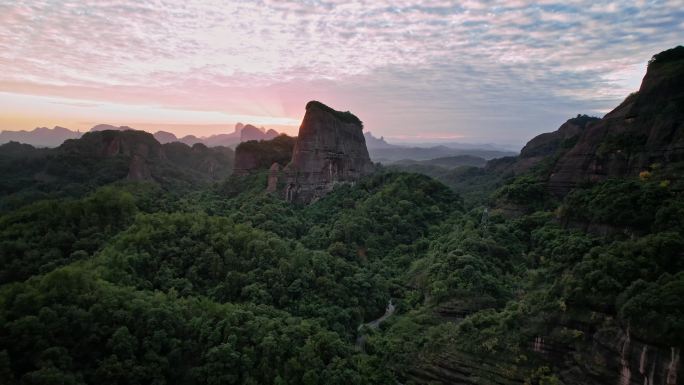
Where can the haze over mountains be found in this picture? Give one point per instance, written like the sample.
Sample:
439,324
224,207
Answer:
40,136
128,261
379,149
53,137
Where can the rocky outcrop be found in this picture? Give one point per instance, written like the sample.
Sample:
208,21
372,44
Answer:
551,143
273,174
138,169
255,155
246,160
147,159
645,131
140,148
606,356
459,368
619,355
330,149
102,157
213,162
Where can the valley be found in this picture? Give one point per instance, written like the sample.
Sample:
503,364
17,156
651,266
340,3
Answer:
126,259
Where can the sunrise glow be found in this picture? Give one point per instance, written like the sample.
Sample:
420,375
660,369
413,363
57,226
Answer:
452,70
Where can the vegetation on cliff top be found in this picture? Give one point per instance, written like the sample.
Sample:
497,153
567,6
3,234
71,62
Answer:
266,152
344,116
127,283
670,55
249,289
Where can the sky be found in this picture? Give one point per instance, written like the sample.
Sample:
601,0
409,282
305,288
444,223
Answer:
413,71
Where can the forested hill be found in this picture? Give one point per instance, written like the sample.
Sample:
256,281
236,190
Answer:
188,277
131,285
99,158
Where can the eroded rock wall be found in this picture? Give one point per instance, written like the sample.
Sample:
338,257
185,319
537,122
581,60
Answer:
330,149
645,131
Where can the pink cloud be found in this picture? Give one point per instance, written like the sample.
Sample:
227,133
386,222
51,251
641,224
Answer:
417,60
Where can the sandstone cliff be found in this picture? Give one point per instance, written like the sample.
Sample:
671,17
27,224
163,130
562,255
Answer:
551,143
330,149
255,155
140,148
645,131
102,157
213,162
607,355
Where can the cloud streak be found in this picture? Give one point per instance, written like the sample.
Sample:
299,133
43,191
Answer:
494,69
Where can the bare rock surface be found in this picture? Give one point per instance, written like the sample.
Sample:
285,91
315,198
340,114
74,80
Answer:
646,130
330,149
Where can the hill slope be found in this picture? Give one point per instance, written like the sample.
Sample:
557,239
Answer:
103,157
645,132
176,279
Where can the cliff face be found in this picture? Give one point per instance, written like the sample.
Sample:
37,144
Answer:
632,361
140,148
213,162
255,155
608,356
136,155
550,143
246,160
644,131
330,149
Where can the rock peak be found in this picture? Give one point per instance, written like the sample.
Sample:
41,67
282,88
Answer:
330,149
344,116
646,129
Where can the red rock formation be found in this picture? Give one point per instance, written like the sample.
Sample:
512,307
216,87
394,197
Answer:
330,149
255,155
273,173
138,169
245,161
550,143
646,129
138,147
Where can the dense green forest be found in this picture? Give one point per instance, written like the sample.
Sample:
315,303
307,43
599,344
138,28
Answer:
222,283
124,261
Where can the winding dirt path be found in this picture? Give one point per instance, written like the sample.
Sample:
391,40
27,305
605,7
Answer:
361,339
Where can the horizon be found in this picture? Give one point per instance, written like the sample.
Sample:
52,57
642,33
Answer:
418,72
423,141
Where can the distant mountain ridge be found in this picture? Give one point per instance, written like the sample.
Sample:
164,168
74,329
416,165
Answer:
382,151
109,127
398,153
446,162
376,143
54,137
40,136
